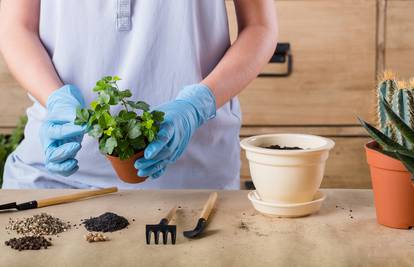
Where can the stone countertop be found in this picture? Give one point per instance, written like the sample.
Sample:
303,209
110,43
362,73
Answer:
236,236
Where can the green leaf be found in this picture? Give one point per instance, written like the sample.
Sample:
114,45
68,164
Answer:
123,144
147,124
408,163
109,131
125,94
98,88
405,130
117,133
110,144
94,104
134,129
158,116
102,142
385,142
116,78
138,143
96,131
82,116
382,139
139,105
109,120
104,97
127,115
151,136
126,153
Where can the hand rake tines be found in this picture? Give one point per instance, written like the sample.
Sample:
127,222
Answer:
164,228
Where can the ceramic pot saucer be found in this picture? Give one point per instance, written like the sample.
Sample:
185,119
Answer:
287,210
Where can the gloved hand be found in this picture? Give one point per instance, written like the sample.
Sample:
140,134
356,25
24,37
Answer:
194,105
60,137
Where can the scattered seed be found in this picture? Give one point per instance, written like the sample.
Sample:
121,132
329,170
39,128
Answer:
37,225
95,237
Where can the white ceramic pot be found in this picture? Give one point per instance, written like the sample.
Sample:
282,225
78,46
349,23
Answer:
287,176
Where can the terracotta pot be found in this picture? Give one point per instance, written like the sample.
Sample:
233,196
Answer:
125,168
393,189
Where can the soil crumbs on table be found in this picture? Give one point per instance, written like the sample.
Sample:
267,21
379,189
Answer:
277,147
243,226
28,243
107,222
38,224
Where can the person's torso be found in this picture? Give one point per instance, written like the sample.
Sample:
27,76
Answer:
156,47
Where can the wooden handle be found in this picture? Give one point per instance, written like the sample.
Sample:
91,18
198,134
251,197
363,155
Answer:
171,214
73,197
209,205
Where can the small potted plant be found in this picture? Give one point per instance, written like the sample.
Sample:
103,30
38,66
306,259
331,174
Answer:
391,155
122,137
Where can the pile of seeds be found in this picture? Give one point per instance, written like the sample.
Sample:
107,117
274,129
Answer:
107,222
37,225
28,243
95,237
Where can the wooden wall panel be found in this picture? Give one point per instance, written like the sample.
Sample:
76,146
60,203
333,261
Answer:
399,41
333,46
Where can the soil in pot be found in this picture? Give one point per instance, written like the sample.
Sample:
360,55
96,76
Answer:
125,168
277,147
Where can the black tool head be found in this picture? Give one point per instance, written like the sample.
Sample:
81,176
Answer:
22,206
8,206
201,225
160,228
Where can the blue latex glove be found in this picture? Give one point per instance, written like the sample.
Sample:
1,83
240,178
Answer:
60,137
194,105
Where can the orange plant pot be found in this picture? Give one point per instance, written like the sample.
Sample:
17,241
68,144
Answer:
393,189
125,168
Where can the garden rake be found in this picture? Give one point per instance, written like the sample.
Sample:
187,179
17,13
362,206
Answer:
164,228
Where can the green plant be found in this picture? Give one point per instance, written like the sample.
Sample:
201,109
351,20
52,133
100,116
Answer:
125,133
8,143
400,95
395,119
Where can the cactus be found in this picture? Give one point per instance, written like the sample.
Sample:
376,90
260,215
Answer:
395,110
400,95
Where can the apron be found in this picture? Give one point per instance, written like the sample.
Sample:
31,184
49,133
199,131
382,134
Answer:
156,47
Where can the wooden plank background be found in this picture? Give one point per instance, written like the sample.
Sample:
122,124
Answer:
338,47
333,47
399,44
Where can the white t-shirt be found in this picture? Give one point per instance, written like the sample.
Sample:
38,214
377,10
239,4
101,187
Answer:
156,47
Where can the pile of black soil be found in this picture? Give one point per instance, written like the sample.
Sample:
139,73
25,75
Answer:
107,222
277,147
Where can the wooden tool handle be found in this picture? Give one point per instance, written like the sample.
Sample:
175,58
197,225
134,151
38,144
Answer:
171,214
73,197
209,205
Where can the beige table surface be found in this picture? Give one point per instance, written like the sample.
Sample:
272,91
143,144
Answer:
329,238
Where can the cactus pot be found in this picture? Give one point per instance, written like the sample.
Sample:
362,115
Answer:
393,189
125,168
287,176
